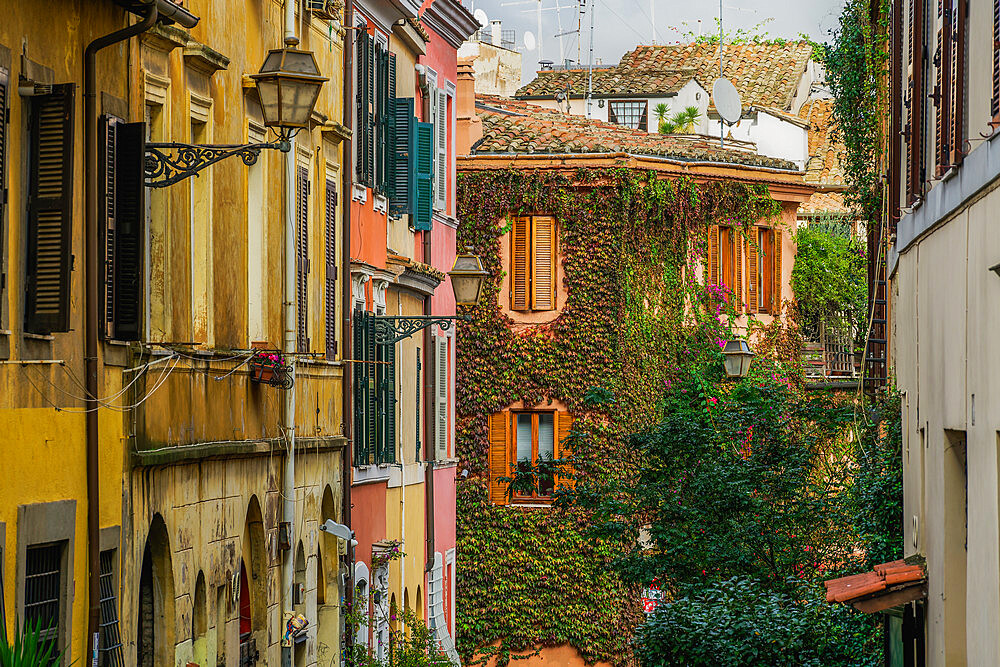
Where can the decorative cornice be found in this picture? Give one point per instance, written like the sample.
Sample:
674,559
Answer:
338,131
165,38
450,20
204,59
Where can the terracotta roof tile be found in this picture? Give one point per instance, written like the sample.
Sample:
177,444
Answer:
608,82
766,75
514,126
883,577
825,152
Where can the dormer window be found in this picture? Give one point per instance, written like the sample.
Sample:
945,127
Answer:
629,113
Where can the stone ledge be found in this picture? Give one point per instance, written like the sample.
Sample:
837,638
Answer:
225,449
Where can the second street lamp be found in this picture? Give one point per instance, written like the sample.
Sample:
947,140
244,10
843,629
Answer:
288,84
467,278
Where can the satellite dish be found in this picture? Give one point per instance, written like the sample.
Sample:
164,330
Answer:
529,41
727,100
480,16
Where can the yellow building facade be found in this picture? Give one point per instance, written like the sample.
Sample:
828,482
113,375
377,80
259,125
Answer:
192,449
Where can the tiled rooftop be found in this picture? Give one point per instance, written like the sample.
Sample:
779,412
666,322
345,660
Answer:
513,126
883,580
766,75
608,82
825,151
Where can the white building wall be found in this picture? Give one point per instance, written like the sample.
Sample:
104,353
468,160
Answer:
774,136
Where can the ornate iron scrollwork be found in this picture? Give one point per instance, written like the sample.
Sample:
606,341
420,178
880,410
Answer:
169,163
390,329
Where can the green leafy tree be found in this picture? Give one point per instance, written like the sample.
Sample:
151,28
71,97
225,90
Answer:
830,277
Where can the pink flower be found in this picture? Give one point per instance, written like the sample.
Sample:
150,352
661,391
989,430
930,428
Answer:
713,400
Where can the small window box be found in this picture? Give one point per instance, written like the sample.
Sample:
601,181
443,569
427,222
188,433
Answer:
270,368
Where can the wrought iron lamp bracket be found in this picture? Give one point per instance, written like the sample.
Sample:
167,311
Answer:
169,163
390,329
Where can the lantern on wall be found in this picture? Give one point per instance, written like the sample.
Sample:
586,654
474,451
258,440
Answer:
467,278
737,358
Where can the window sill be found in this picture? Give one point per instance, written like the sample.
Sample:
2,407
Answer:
359,193
34,336
531,505
370,474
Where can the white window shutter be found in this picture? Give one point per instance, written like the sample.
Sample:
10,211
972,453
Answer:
441,398
435,602
441,152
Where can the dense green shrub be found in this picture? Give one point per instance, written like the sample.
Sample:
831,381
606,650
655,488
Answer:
830,278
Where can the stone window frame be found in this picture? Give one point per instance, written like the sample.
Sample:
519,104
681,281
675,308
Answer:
48,523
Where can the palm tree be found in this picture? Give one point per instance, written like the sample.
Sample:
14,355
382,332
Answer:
682,122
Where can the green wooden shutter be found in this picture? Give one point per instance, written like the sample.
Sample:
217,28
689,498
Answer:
387,400
360,382
363,115
330,277
4,87
423,175
302,260
381,113
370,112
402,137
371,390
123,207
50,212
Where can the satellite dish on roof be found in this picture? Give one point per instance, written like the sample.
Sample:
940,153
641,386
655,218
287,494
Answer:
529,41
727,100
480,16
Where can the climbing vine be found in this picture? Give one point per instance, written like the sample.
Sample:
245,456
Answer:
529,578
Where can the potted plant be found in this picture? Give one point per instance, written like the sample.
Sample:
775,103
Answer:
269,367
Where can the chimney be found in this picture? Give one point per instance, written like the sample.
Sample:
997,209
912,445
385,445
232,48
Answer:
470,126
495,36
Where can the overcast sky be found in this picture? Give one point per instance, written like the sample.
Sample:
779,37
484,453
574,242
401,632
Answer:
619,25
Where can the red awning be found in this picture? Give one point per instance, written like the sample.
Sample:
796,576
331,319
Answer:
888,585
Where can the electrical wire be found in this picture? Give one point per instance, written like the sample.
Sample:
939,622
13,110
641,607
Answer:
621,18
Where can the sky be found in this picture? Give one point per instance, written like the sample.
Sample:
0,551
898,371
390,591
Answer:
619,25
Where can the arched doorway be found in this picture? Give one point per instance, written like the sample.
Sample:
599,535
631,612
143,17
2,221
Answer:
199,622
328,587
252,587
155,638
300,606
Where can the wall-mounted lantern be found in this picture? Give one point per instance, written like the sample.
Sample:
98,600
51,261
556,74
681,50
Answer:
467,279
737,358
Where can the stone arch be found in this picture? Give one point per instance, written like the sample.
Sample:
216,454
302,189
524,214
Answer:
253,579
362,591
393,628
199,621
328,583
418,606
156,630
300,604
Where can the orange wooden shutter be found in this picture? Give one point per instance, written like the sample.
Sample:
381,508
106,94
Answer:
776,290
543,263
713,256
738,256
519,264
499,456
753,273
564,422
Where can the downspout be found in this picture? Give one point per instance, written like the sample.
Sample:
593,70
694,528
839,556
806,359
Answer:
290,348
346,350
430,358
92,322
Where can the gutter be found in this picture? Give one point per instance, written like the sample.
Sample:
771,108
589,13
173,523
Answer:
92,322
665,160
346,383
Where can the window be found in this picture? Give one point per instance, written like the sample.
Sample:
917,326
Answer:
519,440
50,211
375,78
916,94
441,116
330,275
441,393
200,231
533,263
111,643
43,588
374,394
630,113
256,243
764,269
4,124
725,259
995,97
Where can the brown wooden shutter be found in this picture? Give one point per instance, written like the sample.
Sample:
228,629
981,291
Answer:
713,255
543,263
4,87
776,290
753,272
564,423
330,279
302,260
50,212
938,97
995,98
958,77
918,90
519,245
499,456
945,86
738,255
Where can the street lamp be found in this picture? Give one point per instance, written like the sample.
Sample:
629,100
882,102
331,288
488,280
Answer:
467,278
738,357
288,83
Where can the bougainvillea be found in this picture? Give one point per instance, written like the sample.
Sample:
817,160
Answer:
628,240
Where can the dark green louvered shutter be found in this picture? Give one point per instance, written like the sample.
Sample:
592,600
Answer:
381,111
387,127
50,212
403,124
363,120
123,204
389,401
330,278
371,390
360,417
302,260
4,88
423,176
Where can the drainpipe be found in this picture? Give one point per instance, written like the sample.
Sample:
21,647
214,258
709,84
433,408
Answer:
92,322
347,180
430,359
290,348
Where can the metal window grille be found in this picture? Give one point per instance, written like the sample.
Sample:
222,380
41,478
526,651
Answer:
42,575
111,642
629,114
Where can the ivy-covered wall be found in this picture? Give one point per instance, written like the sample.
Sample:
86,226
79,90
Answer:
530,578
